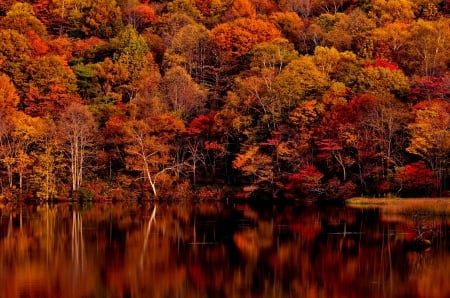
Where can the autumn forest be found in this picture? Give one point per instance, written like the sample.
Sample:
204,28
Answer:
210,99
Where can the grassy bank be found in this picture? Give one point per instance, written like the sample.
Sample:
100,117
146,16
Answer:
400,205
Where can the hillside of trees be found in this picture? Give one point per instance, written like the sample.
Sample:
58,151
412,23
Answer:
182,99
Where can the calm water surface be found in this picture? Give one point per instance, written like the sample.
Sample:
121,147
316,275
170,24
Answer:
220,250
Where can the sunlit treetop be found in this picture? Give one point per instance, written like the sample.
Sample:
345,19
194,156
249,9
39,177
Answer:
21,17
236,38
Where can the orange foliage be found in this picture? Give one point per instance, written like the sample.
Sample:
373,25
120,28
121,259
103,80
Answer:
8,94
204,6
237,38
39,46
140,16
83,45
242,9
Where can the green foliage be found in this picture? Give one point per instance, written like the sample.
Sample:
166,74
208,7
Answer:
300,80
382,81
274,55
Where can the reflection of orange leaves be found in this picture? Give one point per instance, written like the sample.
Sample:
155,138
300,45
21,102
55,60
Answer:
250,242
246,242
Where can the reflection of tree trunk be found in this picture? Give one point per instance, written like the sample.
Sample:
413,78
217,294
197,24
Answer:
77,241
147,233
50,231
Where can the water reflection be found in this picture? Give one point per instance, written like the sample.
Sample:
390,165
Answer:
220,250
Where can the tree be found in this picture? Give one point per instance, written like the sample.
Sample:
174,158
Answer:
140,16
15,52
273,56
190,49
349,31
132,56
389,11
203,145
9,98
306,182
236,38
168,25
303,7
5,6
48,174
389,41
103,19
299,80
187,7
21,18
364,137
182,95
415,179
78,132
27,133
331,6
49,70
290,25
255,166
383,78
326,59
429,88
430,136
109,76
426,52
241,9
150,147
50,86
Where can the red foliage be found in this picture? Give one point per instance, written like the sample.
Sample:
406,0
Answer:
114,131
212,145
380,62
304,182
53,103
140,16
38,45
274,140
82,46
40,8
430,87
204,6
203,125
416,180
328,145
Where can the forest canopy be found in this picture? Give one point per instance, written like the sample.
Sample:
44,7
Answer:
184,99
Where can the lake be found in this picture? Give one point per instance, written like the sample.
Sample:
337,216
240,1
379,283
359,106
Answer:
215,249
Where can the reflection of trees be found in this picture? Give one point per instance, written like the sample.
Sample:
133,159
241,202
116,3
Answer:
77,247
214,250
